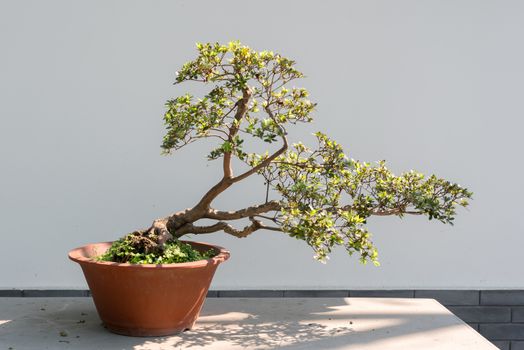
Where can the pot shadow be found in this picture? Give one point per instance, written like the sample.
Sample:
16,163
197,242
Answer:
225,323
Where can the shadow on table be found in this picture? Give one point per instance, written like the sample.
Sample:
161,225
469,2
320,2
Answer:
244,323
252,334
321,327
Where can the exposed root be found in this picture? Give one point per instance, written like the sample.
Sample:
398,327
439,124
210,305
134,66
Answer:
160,232
142,242
153,239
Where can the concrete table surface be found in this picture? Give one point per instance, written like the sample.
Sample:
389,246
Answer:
249,323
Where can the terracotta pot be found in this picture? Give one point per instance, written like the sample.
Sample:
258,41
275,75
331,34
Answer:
146,299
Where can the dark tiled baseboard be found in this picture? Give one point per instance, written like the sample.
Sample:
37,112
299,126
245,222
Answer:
451,297
502,297
315,293
44,293
397,293
483,314
496,314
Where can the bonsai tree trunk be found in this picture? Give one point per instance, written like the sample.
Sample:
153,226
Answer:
181,223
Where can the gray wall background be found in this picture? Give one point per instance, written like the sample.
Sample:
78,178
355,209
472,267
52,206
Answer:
431,85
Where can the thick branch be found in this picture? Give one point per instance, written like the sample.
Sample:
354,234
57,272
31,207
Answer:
220,226
190,228
224,226
262,164
268,160
198,210
243,213
228,169
233,129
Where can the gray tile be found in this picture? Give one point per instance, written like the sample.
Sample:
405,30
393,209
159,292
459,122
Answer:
450,297
475,326
482,314
502,297
54,293
502,344
397,293
316,293
502,331
517,345
517,314
212,294
10,293
250,293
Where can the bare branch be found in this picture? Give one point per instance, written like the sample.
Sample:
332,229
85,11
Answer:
219,130
396,211
274,219
386,212
271,228
213,135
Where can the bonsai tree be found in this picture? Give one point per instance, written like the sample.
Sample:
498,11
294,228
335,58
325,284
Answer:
324,197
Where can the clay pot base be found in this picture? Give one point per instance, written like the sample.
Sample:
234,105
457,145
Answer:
147,300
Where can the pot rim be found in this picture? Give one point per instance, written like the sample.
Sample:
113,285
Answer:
77,255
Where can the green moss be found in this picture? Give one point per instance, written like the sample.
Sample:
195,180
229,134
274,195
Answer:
123,251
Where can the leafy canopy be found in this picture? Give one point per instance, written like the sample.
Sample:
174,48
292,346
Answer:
237,73
325,198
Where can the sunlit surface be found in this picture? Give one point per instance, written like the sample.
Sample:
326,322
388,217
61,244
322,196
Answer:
244,323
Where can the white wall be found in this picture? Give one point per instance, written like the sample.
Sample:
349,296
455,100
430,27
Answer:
430,85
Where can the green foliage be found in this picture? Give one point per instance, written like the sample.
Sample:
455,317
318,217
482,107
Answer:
124,250
326,197
236,71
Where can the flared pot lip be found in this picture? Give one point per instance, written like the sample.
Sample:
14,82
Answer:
79,255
